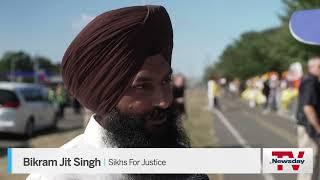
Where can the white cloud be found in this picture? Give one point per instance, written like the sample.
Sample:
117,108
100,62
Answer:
81,22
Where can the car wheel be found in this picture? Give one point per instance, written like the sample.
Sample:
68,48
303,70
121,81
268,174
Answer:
29,129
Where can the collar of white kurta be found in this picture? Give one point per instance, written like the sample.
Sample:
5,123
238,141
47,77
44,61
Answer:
95,135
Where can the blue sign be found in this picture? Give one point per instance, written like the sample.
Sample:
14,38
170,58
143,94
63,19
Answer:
305,26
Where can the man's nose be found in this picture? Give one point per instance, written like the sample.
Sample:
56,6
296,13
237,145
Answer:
163,104
162,100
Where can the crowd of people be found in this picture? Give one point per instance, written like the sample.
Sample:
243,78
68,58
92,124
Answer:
273,91
292,92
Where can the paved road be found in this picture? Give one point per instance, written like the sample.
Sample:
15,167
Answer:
236,125
71,122
67,129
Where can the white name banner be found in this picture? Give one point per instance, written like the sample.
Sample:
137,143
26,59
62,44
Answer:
135,160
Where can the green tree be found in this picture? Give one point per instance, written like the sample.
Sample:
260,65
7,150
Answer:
46,64
293,5
17,60
21,61
273,49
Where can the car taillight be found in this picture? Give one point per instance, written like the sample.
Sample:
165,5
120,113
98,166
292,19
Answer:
11,104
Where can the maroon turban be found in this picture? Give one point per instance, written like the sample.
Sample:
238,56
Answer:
103,59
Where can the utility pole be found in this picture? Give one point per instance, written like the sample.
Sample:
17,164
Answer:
36,70
12,69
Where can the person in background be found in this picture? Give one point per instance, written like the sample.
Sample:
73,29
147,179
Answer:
223,82
274,84
308,114
304,26
51,95
234,88
213,92
295,74
179,84
266,93
53,100
210,94
61,98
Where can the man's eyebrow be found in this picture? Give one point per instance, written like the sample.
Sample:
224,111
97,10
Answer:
143,79
148,79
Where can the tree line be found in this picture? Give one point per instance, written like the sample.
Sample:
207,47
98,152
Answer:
21,61
272,49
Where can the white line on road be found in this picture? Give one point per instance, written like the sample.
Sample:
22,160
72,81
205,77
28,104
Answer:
232,130
237,135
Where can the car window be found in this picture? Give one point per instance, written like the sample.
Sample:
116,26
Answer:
6,96
32,94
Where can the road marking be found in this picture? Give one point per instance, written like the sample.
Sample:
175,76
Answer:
237,135
281,132
232,130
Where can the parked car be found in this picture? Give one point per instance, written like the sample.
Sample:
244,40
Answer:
25,108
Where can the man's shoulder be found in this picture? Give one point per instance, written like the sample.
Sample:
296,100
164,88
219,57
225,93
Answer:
75,177
308,81
53,177
74,143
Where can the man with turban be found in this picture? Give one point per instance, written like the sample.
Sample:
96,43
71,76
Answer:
119,67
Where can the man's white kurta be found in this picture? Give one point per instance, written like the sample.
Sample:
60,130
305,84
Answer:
94,136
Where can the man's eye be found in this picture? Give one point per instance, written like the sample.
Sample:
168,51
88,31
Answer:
140,87
167,81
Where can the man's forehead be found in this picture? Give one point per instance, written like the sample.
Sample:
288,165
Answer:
154,61
154,67
314,61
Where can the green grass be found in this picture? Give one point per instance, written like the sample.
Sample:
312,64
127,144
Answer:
199,124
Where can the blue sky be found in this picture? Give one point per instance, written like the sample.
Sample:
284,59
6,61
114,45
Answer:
201,30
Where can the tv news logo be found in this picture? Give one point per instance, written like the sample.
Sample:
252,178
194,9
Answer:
287,160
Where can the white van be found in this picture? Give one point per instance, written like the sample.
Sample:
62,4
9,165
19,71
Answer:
25,108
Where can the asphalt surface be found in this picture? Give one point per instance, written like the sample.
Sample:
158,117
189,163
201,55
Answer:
237,125
69,123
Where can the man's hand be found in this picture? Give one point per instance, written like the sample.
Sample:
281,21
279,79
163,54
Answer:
312,117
